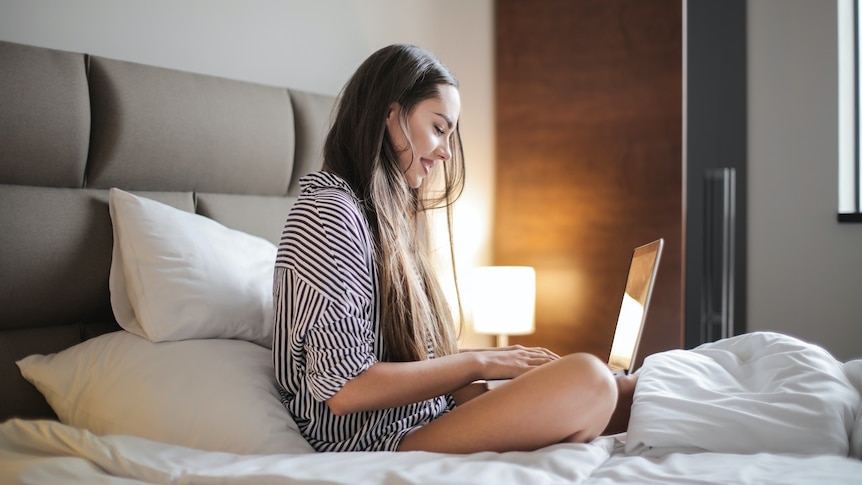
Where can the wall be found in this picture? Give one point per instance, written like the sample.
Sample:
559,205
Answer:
313,45
804,269
589,162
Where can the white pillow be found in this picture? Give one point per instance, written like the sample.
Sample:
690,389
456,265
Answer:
216,395
177,275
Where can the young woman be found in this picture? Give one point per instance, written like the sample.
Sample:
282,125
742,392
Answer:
364,349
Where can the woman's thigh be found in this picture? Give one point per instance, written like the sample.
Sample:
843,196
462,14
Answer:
570,399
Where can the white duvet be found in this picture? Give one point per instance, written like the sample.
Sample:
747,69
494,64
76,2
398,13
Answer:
761,392
760,408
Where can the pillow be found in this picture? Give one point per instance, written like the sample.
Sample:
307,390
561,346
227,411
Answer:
216,395
177,275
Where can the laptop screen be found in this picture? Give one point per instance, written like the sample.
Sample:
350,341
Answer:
639,284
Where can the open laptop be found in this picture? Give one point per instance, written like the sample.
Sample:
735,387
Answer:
633,310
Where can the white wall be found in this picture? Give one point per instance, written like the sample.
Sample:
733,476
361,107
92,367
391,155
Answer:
804,269
313,45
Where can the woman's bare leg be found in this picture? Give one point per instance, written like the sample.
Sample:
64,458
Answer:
570,399
625,396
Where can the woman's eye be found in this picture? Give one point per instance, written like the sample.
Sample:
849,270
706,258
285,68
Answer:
438,129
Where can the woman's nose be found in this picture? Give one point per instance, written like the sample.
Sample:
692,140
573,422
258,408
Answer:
444,152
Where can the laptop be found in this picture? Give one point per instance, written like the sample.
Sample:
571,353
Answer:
633,310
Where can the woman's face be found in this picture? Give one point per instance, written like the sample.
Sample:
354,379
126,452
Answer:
429,128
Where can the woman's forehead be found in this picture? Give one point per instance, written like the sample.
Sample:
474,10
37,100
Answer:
447,104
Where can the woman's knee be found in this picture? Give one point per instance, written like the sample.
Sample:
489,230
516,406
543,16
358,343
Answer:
591,375
591,394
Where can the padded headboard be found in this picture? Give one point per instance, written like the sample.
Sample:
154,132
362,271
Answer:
71,127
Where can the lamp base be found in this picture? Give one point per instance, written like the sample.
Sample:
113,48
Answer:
502,340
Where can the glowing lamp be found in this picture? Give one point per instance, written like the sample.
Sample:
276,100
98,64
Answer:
504,301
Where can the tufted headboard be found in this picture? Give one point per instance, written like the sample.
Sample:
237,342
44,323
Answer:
73,126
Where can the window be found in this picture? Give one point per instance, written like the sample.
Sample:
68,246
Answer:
849,126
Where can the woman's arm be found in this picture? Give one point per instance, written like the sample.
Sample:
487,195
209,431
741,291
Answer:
393,384
476,389
468,392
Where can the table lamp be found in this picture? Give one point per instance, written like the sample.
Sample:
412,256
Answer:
504,301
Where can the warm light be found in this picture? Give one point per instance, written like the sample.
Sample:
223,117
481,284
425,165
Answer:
504,301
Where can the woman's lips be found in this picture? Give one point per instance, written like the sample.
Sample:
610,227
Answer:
427,165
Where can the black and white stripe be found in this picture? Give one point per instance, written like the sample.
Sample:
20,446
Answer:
327,327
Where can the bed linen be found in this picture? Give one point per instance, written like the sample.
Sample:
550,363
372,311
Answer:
759,392
48,452
720,413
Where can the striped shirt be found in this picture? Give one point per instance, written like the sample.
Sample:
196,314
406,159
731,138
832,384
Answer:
327,328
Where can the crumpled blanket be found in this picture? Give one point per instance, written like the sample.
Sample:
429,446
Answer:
754,393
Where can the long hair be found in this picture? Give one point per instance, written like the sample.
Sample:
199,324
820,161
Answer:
415,318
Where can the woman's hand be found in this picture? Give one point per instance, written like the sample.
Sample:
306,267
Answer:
511,361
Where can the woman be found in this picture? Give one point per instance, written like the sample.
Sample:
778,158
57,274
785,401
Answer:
364,346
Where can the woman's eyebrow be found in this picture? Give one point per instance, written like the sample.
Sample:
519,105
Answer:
449,123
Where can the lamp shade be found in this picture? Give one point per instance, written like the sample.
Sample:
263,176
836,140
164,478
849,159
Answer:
504,300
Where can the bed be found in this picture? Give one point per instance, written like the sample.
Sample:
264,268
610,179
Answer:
140,207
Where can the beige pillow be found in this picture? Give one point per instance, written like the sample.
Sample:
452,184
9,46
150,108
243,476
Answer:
217,395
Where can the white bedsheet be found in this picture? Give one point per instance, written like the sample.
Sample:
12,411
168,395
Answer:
47,452
713,415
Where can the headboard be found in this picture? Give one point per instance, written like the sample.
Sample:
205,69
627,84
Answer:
73,126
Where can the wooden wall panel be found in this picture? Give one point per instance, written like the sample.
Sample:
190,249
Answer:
589,161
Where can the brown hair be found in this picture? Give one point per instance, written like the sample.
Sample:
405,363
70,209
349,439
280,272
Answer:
415,318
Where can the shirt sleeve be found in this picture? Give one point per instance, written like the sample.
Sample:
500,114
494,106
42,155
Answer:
334,288
337,350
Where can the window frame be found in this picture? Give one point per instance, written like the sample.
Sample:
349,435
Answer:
849,99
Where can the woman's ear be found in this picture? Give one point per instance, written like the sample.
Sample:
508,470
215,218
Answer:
394,111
